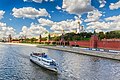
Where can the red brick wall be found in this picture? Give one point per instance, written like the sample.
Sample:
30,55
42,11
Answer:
80,43
115,45
15,41
100,44
93,41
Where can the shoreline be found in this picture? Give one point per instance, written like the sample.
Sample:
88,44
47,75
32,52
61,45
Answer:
107,55
23,44
77,50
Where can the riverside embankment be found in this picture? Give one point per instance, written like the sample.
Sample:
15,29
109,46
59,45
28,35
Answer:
15,65
23,44
85,51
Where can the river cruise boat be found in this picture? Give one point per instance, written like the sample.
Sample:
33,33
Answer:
44,60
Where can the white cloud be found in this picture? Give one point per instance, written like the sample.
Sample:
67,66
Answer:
24,0
1,14
102,3
10,19
93,16
67,25
115,5
112,23
45,22
113,18
57,7
103,26
52,11
2,24
6,30
51,0
33,31
98,25
38,1
29,12
77,6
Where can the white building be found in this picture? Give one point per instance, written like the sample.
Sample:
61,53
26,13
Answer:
80,29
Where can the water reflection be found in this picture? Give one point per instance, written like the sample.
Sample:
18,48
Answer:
82,67
15,65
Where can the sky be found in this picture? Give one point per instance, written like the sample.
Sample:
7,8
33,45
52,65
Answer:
34,17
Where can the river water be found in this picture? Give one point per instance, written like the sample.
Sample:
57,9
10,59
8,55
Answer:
15,65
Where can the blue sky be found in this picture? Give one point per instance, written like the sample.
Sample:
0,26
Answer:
59,13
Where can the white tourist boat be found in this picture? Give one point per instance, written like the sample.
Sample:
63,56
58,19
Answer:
44,61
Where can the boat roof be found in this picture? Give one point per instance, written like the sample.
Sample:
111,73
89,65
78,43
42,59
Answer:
44,56
47,58
35,53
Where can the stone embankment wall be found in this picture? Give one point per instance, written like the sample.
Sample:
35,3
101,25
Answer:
96,43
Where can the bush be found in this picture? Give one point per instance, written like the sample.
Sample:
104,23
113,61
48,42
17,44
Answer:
41,42
53,43
47,43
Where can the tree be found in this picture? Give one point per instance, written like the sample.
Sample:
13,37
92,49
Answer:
56,38
49,37
112,34
27,40
78,37
101,35
33,40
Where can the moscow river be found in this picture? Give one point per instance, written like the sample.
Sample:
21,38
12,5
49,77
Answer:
15,65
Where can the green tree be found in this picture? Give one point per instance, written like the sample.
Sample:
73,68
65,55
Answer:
112,34
56,38
101,35
33,40
27,40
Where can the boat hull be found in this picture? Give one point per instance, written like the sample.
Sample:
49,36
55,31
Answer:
44,66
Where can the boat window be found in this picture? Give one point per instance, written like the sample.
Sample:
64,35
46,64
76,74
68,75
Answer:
45,56
45,61
53,63
34,56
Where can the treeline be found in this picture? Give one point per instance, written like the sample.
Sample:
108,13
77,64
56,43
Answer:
87,36
77,37
109,35
73,36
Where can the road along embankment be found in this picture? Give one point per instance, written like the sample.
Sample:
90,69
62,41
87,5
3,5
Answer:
23,44
102,54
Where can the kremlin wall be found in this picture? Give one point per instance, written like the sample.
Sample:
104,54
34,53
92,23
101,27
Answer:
112,44
94,42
